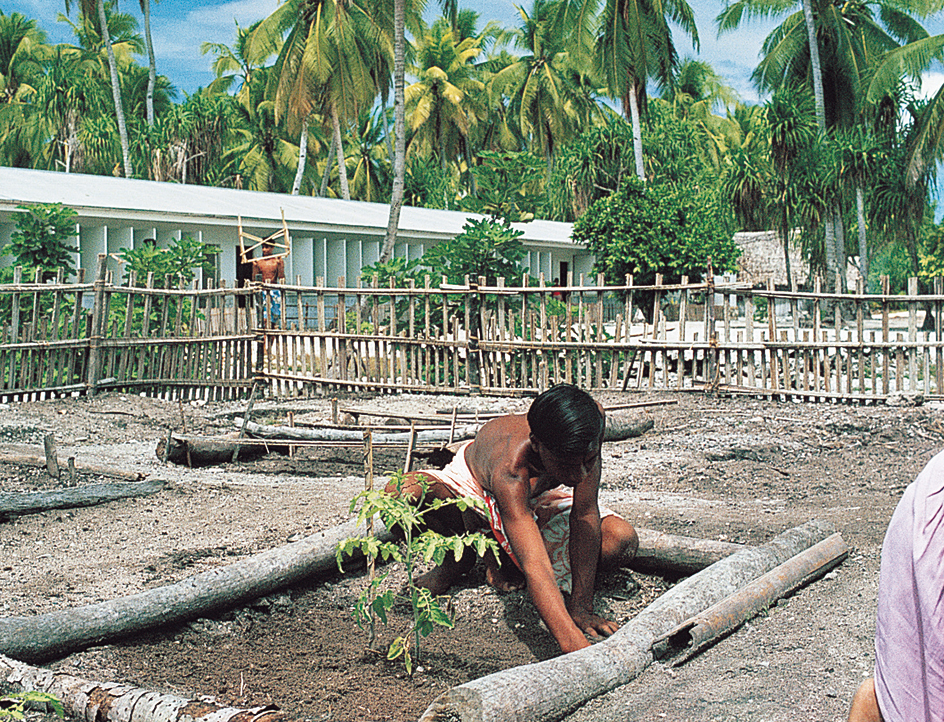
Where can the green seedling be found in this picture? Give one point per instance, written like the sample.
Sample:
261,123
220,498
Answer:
14,706
417,546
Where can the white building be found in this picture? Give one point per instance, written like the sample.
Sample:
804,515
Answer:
330,238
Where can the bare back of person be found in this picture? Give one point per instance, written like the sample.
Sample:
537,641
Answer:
501,455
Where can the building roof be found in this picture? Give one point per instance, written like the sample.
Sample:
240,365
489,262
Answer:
105,197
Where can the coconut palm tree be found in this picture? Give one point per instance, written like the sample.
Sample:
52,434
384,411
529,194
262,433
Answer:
910,61
335,59
234,64
442,102
635,45
21,45
264,156
399,129
544,89
152,63
89,9
368,164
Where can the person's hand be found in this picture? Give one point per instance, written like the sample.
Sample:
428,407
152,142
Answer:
592,624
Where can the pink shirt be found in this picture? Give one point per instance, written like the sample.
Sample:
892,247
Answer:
909,634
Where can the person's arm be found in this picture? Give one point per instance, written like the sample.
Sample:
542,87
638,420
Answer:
585,554
528,545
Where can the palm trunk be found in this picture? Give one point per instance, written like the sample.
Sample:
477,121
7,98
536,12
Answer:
785,237
326,176
399,131
115,90
152,65
817,68
302,157
637,133
342,168
840,240
829,249
829,227
863,240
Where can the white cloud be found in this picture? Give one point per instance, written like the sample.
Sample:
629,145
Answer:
177,38
931,82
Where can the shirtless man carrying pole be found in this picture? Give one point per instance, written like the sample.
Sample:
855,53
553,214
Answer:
270,269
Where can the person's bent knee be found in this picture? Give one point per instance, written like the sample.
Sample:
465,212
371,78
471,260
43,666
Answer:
406,487
620,540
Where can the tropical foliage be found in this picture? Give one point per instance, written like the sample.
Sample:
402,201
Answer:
578,102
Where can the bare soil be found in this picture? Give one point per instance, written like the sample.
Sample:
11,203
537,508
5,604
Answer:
733,469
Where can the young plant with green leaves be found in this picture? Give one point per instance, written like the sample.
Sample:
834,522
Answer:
13,706
419,545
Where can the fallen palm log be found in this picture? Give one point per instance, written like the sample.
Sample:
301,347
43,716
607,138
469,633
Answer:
85,700
551,689
36,456
52,635
661,553
56,634
264,431
31,502
689,638
194,451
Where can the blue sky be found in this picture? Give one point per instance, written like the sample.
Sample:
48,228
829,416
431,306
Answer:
179,27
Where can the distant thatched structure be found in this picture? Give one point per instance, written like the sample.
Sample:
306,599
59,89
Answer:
762,258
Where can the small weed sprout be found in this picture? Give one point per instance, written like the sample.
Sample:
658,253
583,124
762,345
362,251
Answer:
13,706
417,546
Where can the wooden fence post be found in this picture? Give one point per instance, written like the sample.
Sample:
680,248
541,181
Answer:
99,318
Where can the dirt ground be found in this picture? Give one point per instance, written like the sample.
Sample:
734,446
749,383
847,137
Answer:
732,469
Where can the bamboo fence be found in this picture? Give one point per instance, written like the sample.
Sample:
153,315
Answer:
499,339
216,342
72,338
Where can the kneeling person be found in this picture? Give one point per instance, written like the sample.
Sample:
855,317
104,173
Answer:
539,476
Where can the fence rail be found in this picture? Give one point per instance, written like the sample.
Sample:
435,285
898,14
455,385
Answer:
215,343
499,339
66,338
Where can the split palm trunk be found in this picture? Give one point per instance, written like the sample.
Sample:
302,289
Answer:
551,689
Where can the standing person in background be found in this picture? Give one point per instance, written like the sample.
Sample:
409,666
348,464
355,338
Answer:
270,269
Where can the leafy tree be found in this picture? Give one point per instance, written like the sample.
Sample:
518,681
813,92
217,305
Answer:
643,231
39,239
486,248
179,261
932,252
591,167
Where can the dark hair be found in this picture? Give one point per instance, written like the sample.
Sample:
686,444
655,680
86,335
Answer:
567,421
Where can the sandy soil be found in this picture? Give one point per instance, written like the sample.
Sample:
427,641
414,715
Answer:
731,469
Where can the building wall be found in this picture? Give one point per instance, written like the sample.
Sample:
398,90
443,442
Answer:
325,256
